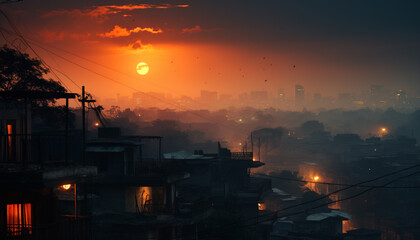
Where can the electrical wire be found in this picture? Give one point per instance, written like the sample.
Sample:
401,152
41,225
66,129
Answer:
273,216
353,185
43,62
17,32
132,88
104,66
18,49
113,80
332,193
330,183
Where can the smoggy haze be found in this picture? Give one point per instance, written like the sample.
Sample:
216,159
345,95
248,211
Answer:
225,46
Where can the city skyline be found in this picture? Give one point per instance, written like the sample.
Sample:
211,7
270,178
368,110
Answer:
278,46
376,96
223,119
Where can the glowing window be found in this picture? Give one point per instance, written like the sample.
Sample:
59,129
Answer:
261,206
19,219
10,129
10,141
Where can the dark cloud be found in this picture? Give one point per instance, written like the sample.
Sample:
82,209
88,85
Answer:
369,37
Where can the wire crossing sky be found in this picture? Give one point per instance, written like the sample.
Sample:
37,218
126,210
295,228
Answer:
228,46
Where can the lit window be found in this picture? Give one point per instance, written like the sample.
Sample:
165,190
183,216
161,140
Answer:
11,142
261,206
10,129
19,219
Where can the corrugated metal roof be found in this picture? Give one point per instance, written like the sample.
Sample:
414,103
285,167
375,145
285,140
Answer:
280,192
322,216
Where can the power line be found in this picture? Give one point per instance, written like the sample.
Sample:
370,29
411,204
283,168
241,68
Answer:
274,215
42,61
347,198
17,32
116,81
331,183
334,192
2,30
129,87
102,65
353,185
361,193
65,75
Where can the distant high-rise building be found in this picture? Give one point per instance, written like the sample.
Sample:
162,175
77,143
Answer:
280,95
401,97
299,95
377,93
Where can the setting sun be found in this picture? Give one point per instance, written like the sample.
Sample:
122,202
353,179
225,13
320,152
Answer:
142,68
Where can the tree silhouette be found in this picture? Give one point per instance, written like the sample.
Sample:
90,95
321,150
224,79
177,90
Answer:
311,127
20,73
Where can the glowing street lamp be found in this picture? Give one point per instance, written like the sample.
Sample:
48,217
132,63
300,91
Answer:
383,131
65,187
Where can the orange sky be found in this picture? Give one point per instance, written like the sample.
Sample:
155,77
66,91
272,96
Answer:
229,48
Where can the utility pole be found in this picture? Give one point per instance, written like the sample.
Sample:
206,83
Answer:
252,145
83,126
84,100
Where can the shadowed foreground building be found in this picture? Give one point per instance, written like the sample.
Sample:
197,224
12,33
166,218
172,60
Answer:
142,193
135,192
32,169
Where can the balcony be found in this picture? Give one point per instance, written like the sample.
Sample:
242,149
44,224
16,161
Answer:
38,149
242,156
65,228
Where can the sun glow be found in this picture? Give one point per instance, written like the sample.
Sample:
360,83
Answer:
142,68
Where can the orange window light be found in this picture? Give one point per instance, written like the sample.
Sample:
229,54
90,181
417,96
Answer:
10,132
19,219
9,129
